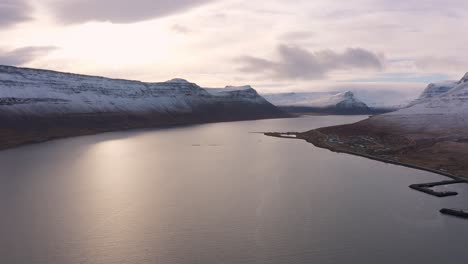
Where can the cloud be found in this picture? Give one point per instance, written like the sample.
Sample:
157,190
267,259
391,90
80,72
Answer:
181,29
23,55
14,11
451,64
401,78
297,35
119,11
356,8
298,63
446,7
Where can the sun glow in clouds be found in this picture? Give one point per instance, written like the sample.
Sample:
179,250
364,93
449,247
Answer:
207,41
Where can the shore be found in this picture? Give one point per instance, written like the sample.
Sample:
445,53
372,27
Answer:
371,147
16,133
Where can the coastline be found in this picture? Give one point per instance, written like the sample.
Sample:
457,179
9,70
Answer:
319,140
31,133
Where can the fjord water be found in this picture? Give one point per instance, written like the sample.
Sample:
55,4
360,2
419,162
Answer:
216,193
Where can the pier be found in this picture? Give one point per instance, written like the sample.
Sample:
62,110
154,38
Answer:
426,187
454,212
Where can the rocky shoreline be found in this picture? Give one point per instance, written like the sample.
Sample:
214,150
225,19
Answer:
396,155
431,133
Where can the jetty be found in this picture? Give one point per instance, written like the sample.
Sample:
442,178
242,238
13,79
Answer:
454,212
426,187
282,134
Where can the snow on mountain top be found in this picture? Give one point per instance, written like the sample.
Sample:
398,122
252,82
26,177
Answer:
459,93
443,97
320,99
11,71
440,111
464,79
450,98
39,92
434,90
348,95
237,88
246,89
178,80
296,99
343,100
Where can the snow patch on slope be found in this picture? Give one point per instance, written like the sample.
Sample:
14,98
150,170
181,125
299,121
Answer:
178,80
246,93
41,92
464,79
345,100
446,108
229,89
317,100
295,99
434,90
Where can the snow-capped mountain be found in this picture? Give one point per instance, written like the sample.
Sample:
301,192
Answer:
40,92
329,102
440,108
345,100
387,98
444,99
48,100
431,134
434,90
246,92
296,99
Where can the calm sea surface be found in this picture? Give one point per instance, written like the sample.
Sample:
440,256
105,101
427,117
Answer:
215,193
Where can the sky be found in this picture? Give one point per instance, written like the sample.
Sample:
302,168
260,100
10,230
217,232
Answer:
273,45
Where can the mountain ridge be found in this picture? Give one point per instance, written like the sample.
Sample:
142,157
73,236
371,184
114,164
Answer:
344,103
37,105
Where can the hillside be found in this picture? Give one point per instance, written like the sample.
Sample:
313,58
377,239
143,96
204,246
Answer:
431,133
342,103
37,105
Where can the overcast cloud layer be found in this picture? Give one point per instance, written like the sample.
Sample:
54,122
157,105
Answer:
21,56
119,11
298,63
13,12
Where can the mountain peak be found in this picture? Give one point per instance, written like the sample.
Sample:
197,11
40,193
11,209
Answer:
447,98
348,100
347,94
464,79
178,80
343,102
434,90
238,88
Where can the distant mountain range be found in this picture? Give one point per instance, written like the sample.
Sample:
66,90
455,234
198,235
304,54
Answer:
344,103
37,105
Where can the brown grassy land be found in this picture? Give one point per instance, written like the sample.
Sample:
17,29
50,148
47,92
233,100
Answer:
442,152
